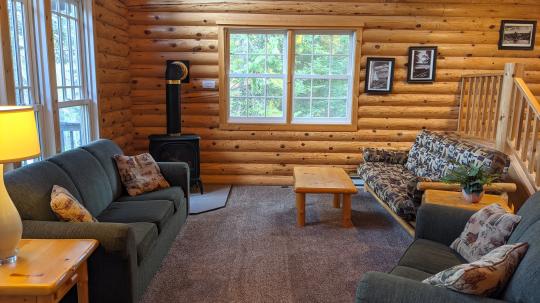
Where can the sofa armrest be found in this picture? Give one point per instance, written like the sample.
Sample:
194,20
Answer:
385,155
115,238
177,174
376,287
442,224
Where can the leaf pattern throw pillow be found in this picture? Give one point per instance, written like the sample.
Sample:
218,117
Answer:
140,174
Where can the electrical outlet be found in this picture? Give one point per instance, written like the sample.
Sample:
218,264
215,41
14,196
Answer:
208,83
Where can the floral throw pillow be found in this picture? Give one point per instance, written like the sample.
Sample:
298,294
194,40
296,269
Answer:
486,230
484,277
67,208
140,174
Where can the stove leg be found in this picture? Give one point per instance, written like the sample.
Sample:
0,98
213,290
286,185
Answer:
200,186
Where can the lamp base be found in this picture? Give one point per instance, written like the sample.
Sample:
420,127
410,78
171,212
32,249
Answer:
9,260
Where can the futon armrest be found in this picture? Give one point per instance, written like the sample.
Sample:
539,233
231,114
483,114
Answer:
385,155
494,187
177,174
375,287
442,224
115,238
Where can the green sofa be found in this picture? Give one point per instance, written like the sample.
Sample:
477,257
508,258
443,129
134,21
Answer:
135,233
437,226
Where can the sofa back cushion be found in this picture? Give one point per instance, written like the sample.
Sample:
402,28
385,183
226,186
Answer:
30,189
104,150
89,177
520,288
433,155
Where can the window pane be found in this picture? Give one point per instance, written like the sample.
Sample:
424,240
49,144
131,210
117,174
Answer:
73,127
322,77
67,50
257,75
21,52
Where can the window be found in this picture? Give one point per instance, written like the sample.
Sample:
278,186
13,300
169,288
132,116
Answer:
50,68
288,78
72,96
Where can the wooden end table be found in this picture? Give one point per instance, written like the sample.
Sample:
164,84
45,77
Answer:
455,199
46,270
323,180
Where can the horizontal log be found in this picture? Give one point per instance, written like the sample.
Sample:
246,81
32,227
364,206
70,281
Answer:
441,75
218,134
173,32
106,16
116,6
339,8
187,109
159,84
297,146
247,179
116,117
427,112
258,169
103,30
408,100
111,47
156,96
106,75
161,57
107,90
114,103
407,124
158,70
173,45
111,62
187,120
429,88
281,157
456,49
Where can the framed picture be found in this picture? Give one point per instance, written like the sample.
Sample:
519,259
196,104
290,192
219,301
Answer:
379,75
422,64
517,34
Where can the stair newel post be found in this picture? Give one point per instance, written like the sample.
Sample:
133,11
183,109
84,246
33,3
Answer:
511,70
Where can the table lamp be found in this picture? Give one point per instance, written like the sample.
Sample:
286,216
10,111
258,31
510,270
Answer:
18,141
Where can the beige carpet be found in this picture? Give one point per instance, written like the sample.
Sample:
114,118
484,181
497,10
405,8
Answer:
252,251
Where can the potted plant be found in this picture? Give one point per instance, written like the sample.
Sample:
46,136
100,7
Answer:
472,179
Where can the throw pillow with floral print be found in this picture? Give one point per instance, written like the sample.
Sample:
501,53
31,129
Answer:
484,277
486,230
140,174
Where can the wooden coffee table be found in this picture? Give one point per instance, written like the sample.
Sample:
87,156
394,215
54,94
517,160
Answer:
323,180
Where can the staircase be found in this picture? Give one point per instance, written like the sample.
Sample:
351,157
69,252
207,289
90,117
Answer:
498,109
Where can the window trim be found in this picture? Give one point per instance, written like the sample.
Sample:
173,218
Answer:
289,24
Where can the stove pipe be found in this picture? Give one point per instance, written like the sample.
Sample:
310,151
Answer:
175,73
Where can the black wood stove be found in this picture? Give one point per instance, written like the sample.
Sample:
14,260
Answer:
175,146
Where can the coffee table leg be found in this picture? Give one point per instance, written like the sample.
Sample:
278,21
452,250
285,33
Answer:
337,198
347,210
300,209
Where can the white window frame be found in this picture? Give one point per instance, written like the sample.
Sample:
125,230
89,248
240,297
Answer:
42,50
283,76
349,78
314,23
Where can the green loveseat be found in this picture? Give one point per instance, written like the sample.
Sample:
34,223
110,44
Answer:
135,233
437,226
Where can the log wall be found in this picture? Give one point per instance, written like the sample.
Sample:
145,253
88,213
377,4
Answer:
466,33
112,71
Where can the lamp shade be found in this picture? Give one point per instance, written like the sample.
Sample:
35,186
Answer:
18,134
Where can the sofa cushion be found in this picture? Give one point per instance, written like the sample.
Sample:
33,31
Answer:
410,273
433,155
30,189
389,181
67,208
487,229
146,235
104,150
174,194
153,211
483,277
430,257
89,177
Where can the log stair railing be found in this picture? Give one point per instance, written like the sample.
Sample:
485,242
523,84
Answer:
498,109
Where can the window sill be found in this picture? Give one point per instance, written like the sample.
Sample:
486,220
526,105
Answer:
290,127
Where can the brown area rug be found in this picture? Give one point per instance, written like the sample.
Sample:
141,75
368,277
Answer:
252,251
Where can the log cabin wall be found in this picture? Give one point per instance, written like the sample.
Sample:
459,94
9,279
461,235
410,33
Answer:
112,71
465,32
